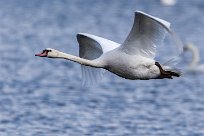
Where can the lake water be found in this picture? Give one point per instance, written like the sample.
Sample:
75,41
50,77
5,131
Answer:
41,97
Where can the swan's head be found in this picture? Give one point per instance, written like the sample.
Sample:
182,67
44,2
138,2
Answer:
48,52
195,53
188,47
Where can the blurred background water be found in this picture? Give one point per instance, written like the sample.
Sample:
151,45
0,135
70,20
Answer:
44,97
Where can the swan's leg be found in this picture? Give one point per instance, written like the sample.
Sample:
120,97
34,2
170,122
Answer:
166,74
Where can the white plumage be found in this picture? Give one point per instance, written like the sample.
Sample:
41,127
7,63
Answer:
133,59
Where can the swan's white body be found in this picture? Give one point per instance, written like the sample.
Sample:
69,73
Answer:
194,66
168,2
134,59
129,66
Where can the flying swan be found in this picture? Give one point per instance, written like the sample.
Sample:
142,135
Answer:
133,59
194,66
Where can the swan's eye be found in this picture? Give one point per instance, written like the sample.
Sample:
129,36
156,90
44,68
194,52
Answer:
47,50
185,48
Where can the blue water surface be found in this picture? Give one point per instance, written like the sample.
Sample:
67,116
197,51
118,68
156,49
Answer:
44,97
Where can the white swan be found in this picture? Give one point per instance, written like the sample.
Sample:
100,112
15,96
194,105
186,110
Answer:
194,66
134,59
168,2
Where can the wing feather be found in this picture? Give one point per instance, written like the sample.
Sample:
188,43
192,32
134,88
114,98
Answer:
147,32
92,47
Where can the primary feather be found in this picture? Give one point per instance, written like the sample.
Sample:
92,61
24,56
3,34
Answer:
147,33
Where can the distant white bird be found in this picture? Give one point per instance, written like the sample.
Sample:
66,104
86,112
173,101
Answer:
134,59
194,66
168,2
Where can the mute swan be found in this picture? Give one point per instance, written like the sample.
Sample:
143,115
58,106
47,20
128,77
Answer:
134,59
194,66
168,2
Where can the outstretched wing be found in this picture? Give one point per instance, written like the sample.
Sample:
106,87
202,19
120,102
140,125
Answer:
147,32
92,47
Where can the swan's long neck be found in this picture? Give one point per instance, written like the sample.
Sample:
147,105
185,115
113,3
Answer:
195,56
93,63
